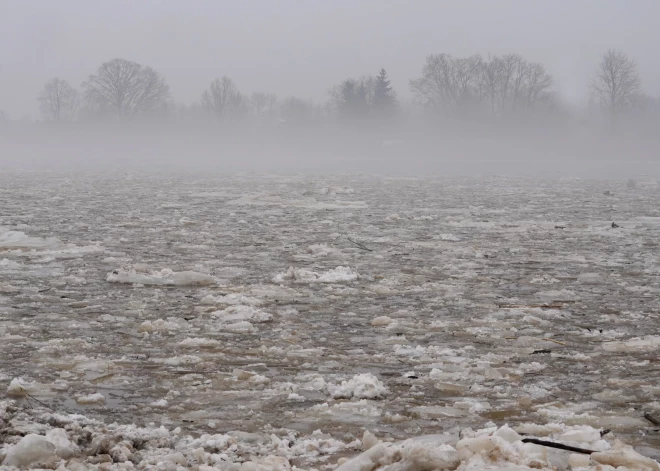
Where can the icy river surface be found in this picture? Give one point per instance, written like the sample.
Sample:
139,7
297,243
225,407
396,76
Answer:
295,311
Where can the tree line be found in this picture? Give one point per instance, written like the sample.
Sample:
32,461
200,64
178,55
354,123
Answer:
496,88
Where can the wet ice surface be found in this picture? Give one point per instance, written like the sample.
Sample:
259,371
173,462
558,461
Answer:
277,305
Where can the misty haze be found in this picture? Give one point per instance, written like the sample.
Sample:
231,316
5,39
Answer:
367,236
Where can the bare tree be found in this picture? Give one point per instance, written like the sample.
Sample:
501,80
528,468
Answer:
466,79
298,111
616,83
58,100
537,85
224,100
94,110
491,84
433,88
448,83
263,104
127,88
471,86
511,84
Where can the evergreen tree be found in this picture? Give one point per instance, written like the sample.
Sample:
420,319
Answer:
384,99
352,99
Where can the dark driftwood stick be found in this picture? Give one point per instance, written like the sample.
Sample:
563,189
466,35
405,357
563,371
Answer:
545,350
359,245
652,419
559,446
30,396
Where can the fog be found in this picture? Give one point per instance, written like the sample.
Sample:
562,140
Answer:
286,235
296,86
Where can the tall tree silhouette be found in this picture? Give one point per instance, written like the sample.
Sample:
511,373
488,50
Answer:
223,99
384,99
58,100
617,83
352,98
127,88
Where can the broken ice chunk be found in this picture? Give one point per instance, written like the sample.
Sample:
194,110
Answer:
361,386
381,321
165,277
96,398
31,449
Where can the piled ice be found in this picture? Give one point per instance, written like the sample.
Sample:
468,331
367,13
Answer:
322,250
295,202
75,442
649,343
381,321
499,449
237,318
230,300
241,313
301,275
16,240
6,263
361,386
31,449
20,387
17,243
198,342
166,277
96,398
335,190
163,326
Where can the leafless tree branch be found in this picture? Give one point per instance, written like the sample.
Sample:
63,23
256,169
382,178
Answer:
617,82
223,99
126,87
58,100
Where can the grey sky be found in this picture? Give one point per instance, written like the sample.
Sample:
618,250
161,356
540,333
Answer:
302,47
